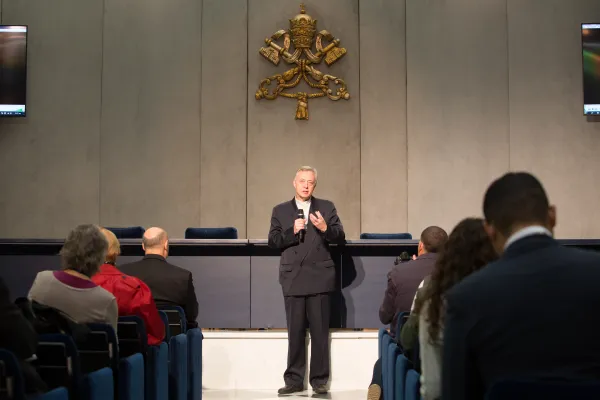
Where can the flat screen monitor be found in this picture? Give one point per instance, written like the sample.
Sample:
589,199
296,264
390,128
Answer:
13,70
590,44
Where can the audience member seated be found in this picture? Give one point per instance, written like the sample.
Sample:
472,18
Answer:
18,336
467,250
133,296
403,281
71,290
170,285
533,314
404,278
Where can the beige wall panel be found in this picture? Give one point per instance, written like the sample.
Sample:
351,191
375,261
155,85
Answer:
383,116
457,107
330,140
151,114
49,160
549,135
224,111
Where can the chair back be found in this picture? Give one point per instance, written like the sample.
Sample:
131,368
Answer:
165,321
401,319
111,354
132,336
211,233
98,385
177,319
131,378
58,362
178,368
412,389
389,371
386,236
195,364
400,376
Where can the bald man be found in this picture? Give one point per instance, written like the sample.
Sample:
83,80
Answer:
170,285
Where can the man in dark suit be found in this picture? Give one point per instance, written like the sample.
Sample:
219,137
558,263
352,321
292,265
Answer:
307,276
405,278
533,314
170,285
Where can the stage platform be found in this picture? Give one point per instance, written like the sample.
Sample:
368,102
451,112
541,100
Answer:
256,361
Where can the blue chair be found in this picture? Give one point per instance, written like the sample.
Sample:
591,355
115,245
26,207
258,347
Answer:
194,338
547,390
99,350
401,319
13,384
113,344
386,236
131,378
385,344
131,331
211,233
389,368
132,232
177,319
98,385
178,368
165,320
58,363
412,390
399,376
157,372
381,334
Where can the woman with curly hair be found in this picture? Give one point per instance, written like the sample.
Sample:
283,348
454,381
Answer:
467,250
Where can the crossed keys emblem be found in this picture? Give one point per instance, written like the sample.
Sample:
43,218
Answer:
302,35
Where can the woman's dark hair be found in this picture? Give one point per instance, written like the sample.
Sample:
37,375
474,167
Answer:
467,250
84,250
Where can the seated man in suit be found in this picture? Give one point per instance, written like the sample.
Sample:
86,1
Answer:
403,282
170,285
405,278
533,314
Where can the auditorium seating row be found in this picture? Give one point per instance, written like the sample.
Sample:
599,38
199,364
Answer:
100,367
136,232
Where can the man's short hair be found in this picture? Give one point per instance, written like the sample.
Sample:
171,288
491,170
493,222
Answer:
514,199
308,168
154,241
84,250
433,239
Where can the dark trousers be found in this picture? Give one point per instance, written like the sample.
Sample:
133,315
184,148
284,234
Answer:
315,309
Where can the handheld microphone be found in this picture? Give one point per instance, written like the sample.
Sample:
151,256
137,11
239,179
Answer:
301,232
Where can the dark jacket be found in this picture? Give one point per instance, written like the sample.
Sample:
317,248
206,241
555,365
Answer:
532,314
403,281
305,268
18,336
170,285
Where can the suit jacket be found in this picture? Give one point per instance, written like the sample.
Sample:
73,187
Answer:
305,268
531,314
170,285
403,281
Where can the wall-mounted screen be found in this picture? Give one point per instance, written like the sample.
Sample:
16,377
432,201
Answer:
13,70
590,39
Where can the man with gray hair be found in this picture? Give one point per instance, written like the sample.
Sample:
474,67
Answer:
302,229
170,285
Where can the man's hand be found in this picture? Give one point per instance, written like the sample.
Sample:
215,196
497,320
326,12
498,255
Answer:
318,221
298,225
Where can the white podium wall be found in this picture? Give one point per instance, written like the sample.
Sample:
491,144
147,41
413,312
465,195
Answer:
257,360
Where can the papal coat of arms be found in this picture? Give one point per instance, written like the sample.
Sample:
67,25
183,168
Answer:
302,36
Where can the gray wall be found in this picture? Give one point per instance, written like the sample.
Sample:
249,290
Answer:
142,112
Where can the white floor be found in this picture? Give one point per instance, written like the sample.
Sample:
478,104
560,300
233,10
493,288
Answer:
272,395
253,363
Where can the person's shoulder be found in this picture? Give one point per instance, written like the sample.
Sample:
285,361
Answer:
284,205
44,276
